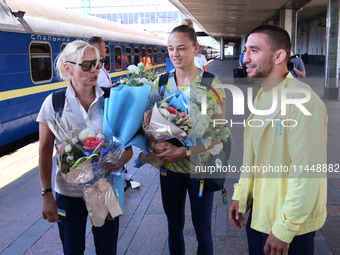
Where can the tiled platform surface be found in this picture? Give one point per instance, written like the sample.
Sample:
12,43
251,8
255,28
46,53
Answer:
143,227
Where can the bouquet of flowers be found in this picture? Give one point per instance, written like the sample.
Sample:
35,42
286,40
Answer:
84,152
123,113
178,119
169,120
203,129
138,76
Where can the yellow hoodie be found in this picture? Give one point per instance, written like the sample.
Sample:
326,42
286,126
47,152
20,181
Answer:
285,177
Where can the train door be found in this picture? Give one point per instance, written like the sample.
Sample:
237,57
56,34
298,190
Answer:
136,56
155,56
127,56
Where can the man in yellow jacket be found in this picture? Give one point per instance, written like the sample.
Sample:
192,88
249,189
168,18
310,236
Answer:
283,180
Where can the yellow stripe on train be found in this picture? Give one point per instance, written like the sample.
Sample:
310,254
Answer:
50,86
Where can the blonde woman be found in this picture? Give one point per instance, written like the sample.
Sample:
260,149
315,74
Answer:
79,63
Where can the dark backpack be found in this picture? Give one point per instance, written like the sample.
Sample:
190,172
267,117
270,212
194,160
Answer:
58,99
210,184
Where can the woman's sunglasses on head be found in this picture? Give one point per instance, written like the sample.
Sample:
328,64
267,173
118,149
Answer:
87,65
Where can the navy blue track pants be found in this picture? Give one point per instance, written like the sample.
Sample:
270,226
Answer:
72,228
174,187
303,244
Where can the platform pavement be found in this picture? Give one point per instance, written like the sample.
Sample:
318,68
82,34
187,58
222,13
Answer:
143,227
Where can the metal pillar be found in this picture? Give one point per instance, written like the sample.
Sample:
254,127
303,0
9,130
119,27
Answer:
221,48
332,60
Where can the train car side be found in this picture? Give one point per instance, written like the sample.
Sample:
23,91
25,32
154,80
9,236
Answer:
27,54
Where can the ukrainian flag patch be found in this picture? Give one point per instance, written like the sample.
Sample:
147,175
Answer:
61,212
163,172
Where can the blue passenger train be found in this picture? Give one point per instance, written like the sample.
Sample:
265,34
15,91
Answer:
33,34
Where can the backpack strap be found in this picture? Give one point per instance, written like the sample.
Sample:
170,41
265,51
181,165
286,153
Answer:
207,78
58,100
162,82
106,92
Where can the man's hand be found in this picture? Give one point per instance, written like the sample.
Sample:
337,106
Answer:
275,245
236,218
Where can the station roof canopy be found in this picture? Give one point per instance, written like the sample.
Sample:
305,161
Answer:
234,18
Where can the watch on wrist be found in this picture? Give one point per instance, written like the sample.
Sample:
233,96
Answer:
188,151
44,191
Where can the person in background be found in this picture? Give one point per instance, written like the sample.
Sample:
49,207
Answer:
79,63
201,62
297,67
240,60
242,64
104,79
175,172
286,206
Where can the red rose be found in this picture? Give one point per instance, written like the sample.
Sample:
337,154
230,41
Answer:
92,143
183,115
171,110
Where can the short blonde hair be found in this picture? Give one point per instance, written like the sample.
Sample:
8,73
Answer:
74,52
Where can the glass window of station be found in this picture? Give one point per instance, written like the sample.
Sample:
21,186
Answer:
154,17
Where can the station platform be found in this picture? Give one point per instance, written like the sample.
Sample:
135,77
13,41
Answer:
143,227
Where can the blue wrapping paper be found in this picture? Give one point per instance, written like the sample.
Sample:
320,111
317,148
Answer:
123,116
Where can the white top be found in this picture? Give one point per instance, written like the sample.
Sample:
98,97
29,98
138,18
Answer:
104,79
94,115
200,61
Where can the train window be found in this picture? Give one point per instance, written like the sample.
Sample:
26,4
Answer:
136,56
163,56
107,62
155,57
62,46
144,56
127,56
118,58
40,62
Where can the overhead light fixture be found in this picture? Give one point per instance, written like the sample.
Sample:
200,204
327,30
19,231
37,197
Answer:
18,14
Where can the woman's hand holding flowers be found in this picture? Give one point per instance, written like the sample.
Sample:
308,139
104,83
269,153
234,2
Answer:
169,152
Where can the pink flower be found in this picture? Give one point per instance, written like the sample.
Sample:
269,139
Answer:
182,115
92,143
171,110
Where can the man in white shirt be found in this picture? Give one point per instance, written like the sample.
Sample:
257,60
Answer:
104,79
201,62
